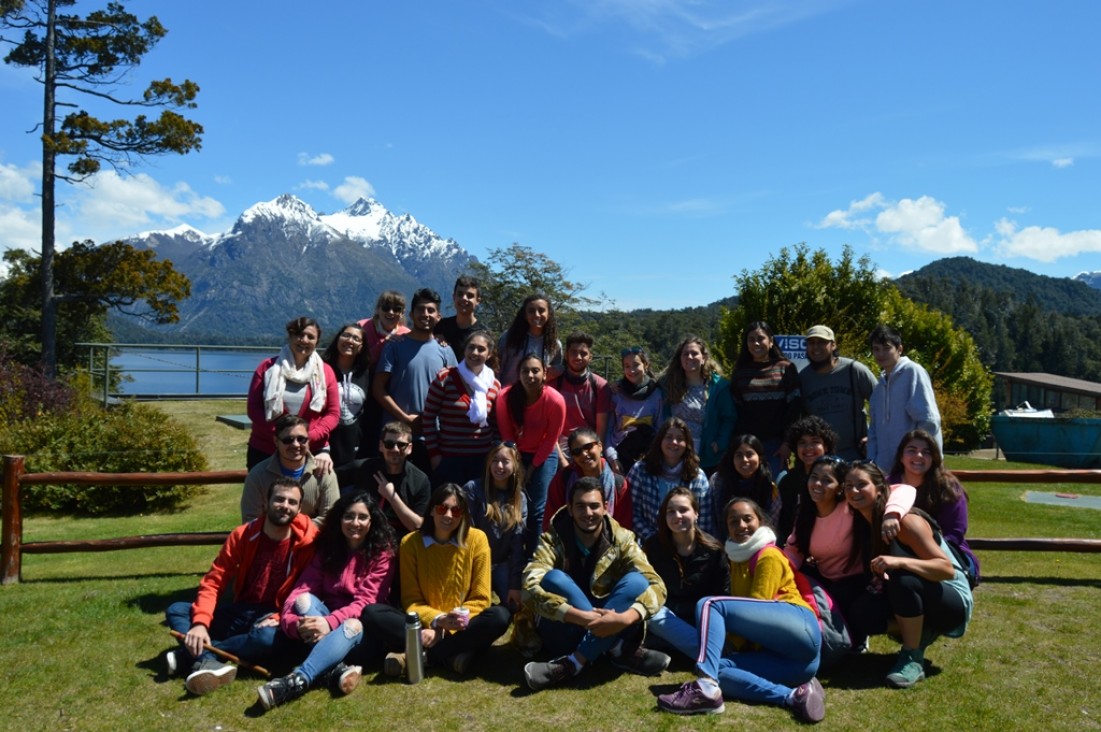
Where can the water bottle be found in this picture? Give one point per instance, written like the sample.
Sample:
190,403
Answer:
414,650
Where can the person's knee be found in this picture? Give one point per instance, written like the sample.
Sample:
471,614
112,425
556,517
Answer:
303,602
558,582
633,583
352,628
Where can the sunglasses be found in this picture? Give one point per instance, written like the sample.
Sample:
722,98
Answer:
575,451
442,510
294,439
507,443
391,444
392,308
632,351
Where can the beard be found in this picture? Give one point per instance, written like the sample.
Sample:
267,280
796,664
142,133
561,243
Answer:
819,363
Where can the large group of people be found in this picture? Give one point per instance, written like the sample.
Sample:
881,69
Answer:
438,477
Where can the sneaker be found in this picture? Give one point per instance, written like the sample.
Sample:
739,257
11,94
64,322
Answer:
171,663
644,662
341,679
909,669
282,690
460,663
861,648
809,701
551,673
394,665
690,699
209,674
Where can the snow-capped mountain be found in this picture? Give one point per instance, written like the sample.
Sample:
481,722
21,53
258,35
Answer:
281,259
1093,279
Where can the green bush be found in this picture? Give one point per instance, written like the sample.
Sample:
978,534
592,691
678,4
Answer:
130,438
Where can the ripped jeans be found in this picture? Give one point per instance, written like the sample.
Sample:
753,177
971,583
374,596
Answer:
333,646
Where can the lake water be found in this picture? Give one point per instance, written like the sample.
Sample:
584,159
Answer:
161,371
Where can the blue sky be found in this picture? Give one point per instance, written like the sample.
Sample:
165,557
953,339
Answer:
654,147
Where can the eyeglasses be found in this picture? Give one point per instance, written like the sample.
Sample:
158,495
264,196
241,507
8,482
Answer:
294,439
505,443
575,451
829,460
392,308
351,337
391,444
632,351
442,510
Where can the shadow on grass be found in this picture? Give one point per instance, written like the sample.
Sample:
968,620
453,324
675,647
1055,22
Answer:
869,671
110,577
1057,581
155,603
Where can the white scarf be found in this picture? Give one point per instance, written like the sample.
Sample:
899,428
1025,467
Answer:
282,371
479,385
761,538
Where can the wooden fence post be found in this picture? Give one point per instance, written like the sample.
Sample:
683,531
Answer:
11,538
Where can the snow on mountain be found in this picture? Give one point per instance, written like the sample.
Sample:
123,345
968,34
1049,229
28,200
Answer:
184,232
292,215
369,222
1093,279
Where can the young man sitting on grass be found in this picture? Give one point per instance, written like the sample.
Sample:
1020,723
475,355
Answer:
261,560
592,587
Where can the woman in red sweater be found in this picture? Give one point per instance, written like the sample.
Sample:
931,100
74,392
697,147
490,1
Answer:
532,419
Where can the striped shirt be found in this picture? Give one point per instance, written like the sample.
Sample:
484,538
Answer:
447,428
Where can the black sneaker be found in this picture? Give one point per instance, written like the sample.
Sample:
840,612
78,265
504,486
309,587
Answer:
644,661
551,673
341,679
282,690
208,675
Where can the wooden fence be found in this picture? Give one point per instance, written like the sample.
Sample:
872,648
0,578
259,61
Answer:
12,547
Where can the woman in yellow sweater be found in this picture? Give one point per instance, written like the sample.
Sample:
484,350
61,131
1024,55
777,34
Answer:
771,635
445,579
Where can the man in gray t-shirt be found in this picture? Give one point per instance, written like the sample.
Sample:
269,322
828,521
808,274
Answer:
836,389
406,368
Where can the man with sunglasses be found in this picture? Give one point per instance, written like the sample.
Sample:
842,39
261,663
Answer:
292,459
261,561
585,451
403,489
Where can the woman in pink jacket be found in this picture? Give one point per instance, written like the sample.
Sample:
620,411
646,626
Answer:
298,382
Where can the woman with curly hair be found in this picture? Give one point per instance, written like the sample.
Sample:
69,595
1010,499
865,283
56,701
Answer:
534,329
352,568
696,392
743,473
670,461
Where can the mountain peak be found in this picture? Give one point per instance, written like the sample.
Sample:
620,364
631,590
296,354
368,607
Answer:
285,206
365,207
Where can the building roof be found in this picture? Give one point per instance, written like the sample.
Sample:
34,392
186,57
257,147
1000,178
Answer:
1051,381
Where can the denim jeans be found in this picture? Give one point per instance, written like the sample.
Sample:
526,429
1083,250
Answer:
789,639
538,481
333,646
232,629
678,633
561,638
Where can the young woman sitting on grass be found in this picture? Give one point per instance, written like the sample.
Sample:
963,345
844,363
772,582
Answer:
353,567
928,592
499,507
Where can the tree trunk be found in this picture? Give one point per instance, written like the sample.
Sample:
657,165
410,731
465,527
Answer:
49,160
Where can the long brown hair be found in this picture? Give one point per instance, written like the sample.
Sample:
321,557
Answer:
505,508
517,398
938,486
665,534
653,458
672,379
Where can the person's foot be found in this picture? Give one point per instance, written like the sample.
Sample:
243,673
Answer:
208,675
394,665
460,663
342,679
643,661
809,701
541,675
690,699
282,690
909,669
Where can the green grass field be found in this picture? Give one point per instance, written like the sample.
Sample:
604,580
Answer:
82,642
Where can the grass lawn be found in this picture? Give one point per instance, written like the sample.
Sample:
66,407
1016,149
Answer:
82,641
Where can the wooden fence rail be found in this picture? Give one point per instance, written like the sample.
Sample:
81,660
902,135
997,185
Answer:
12,547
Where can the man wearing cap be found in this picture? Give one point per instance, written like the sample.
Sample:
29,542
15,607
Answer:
836,389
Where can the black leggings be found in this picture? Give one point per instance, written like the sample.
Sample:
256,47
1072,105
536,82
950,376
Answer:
387,625
941,604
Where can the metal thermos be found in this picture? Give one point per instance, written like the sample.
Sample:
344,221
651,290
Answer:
414,649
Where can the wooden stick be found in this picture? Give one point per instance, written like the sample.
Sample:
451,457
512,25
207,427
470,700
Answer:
226,655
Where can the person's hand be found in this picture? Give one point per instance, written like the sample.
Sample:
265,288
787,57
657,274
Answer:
312,628
430,637
883,564
890,528
450,622
270,620
385,487
323,464
415,421
195,640
609,623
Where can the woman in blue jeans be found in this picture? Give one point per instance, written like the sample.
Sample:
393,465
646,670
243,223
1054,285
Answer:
773,655
353,567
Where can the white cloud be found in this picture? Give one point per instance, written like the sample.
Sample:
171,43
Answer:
353,188
223,180
320,159
1062,162
1045,243
19,184
919,223
313,185
22,228
1018,209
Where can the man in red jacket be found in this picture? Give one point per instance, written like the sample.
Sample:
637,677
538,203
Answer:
261,560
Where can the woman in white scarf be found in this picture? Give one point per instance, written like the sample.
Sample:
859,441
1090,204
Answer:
458,430
294,382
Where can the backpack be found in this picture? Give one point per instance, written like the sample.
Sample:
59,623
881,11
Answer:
836,639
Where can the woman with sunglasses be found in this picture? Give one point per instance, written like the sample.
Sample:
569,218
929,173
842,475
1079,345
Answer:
499,507
445,579
296,381
347,356
352,567
637,404
532,416
458,414
387,322
926,588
